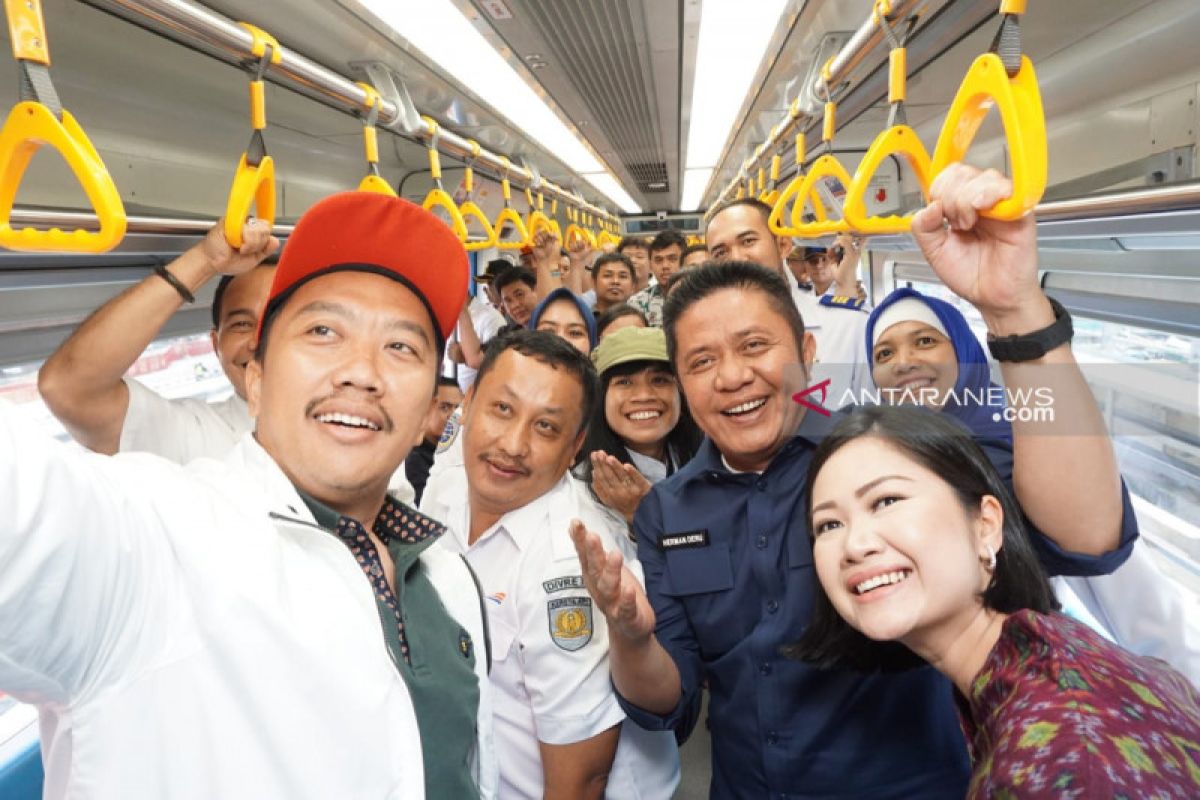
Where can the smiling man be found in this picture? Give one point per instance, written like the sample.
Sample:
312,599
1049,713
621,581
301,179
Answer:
272,624
82,383
738,231
558,726
725,545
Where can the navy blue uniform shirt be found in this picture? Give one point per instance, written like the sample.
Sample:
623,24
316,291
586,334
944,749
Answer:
734,583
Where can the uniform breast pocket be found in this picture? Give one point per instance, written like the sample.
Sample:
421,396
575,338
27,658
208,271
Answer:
698,570
503,632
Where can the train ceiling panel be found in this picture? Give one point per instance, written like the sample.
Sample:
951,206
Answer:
613,69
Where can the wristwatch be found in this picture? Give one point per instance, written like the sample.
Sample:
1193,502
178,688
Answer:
1031,346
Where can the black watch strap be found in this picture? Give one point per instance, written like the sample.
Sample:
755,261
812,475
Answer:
1031,346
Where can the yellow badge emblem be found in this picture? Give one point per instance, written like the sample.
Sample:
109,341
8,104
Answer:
570,621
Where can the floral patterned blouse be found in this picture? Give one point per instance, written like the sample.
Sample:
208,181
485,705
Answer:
1059,712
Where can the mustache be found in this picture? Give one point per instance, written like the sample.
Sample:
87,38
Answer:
505,462
386,424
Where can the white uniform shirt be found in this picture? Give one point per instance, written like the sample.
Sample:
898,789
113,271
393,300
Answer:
182,430
550,648
191,633
841,335
487,322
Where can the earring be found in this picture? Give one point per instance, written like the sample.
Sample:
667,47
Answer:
991,558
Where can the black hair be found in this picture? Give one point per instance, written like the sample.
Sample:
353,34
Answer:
445,380
614,314
513,274
549,349
615,258
683,441
667,239
694,285
941,445
223,285
632,241
752,202
695,248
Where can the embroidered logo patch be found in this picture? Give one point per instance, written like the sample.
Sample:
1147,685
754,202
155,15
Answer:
449,433
570,622
565,582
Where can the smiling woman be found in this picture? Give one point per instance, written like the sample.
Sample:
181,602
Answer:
916,541
641,431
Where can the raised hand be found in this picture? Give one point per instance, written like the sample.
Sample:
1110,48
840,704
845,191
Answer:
614,589
257,244
619,486
990,263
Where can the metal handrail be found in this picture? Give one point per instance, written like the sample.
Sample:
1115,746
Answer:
1176,197
1124,202
192,24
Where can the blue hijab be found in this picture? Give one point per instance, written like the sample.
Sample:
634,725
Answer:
974,377
559,294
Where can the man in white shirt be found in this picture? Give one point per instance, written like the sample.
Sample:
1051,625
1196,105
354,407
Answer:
558,728
273,624
82,383
486,322
738,231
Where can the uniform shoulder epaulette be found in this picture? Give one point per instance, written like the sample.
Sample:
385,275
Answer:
842,301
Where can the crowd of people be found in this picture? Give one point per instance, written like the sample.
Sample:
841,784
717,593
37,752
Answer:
451,546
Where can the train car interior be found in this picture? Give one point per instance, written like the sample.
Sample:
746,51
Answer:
613,118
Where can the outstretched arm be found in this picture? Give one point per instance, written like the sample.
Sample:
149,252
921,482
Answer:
81,382
643,672
1064,470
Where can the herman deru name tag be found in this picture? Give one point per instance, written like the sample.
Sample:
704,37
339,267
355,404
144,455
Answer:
685,541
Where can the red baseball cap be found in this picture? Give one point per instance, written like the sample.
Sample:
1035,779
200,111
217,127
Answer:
371,232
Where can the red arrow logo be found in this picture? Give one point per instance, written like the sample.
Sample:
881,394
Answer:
819,406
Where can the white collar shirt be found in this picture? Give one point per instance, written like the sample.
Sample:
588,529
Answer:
184,429
550,647
487,322
204,607
841,335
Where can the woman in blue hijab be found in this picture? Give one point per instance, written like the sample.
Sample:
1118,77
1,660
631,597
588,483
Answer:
922,350
566,316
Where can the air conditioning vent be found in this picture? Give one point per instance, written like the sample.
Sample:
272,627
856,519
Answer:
650,177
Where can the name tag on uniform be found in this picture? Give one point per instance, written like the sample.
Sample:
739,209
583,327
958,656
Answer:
684,541
563,583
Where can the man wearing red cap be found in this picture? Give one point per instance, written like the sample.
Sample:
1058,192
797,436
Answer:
270,625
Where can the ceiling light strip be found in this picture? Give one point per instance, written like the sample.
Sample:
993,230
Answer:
194,25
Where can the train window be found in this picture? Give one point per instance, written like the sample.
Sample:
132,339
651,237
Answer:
174,367
1149,401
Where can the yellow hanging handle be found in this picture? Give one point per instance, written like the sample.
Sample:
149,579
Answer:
825,167
27,29
438,198
254,181
898,140
470,212
372,182
1020,104
32,125
509,216
576,231
771,195
535,221
791,193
